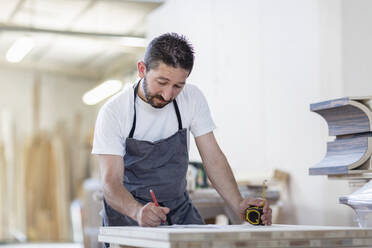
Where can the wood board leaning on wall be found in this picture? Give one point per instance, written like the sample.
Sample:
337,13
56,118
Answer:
3,219
47,193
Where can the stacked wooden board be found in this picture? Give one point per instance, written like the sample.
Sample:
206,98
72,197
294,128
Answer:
212,236
11,185
3,196
48,187
349,119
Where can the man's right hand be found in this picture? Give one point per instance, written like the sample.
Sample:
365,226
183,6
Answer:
151,215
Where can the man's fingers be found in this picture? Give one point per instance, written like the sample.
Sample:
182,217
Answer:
150,223
247,202
152,215
160,212
165,210
266,206
268,211
266,218
154,218
267,221
153,223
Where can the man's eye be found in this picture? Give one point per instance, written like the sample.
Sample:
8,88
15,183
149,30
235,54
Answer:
178,87
162,83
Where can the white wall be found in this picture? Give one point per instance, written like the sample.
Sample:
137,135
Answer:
60,100
260,64
357,51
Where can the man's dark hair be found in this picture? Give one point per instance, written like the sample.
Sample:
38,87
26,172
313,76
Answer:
172,49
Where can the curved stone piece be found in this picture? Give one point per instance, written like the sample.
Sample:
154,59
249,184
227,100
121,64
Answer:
345,115
350,120
344,154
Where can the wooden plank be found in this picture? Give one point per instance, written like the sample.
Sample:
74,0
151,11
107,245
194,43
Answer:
47,193
238,236
134,241
9,203
36,104
3,196
79,169
40,189
62,189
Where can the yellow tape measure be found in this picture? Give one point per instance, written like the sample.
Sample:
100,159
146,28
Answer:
253,213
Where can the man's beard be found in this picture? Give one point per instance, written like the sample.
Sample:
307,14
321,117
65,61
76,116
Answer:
151,97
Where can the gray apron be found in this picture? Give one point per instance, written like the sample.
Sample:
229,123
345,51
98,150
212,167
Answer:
160,166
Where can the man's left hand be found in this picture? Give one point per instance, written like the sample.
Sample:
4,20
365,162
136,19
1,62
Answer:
247,202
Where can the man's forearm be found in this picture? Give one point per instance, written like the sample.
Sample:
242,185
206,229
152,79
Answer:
116,195
121,200
222,178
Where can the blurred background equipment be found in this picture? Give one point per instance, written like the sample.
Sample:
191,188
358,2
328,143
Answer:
199,176
212,206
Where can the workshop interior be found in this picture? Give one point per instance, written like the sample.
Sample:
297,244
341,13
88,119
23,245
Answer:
288,85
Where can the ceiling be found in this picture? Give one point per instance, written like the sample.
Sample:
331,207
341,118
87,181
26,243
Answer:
75,37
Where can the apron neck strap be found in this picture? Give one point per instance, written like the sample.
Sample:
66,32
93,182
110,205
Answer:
134,118
178,114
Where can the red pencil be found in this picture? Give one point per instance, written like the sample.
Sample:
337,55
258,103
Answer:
155,201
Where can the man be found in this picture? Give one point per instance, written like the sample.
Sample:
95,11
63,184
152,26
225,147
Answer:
142,137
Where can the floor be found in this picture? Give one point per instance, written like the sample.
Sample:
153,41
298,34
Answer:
42,245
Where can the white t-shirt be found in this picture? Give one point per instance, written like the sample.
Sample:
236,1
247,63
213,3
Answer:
115,119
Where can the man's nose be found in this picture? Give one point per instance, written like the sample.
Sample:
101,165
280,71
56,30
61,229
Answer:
167,94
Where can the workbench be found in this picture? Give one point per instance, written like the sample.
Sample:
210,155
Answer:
212,236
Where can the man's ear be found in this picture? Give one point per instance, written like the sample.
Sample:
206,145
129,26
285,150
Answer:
141,69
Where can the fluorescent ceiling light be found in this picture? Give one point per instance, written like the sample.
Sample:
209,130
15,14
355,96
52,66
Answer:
133,41
102,91
19,49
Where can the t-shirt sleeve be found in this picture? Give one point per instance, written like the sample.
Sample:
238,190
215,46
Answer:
107,134
202,122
